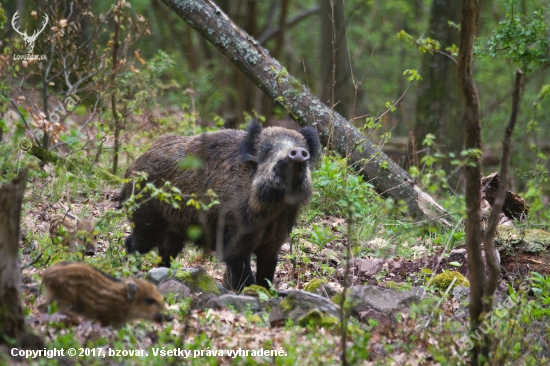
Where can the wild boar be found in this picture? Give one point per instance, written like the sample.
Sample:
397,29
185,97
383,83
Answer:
262,180
78,232
80,289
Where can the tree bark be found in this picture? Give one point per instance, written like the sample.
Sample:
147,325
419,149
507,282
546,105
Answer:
243,12
492,262
12,317
114,69
273,79
336,85
438,105
472,128
266,106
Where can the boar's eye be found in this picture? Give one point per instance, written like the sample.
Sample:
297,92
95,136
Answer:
150,301
264,154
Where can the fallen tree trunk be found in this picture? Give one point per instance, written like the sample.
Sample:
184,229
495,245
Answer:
273,79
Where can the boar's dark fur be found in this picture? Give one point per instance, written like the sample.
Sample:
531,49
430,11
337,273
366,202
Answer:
262,179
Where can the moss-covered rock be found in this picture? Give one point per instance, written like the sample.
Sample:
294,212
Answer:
319,319
337,299
240,303
443,280
286,305
254,318
197,280
297,304
316,318
528,240
400,286
255,290
381,304
314,284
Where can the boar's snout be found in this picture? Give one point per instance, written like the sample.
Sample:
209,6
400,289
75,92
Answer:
159,318
90,251
299,155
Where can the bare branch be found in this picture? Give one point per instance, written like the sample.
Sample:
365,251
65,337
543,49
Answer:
492,262
295,20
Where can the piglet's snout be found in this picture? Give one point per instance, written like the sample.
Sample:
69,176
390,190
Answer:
299,155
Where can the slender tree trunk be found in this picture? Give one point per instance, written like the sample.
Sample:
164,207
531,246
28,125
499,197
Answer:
266,105
116,117
191,52
501,195
46,138
268,74
282,29
12,317
438,109
336,83
472,128
243,12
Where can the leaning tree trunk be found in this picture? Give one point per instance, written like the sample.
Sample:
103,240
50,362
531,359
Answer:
273,79
12,319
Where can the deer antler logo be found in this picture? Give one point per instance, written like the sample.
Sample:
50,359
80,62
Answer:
29,40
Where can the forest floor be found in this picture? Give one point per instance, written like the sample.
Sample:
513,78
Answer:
207,329
387,251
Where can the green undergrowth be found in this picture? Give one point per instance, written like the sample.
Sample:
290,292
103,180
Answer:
344,207
379,226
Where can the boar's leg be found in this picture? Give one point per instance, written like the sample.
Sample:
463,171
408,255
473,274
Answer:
129,244
238,273
266,263
170,247
149,228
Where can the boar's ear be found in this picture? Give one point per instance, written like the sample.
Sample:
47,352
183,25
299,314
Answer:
248,147
131,290
312,139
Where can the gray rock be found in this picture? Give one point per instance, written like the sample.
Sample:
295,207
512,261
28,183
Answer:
459,251
158,275
372,301
296,305
529,240
240,303
461,294
205,300
222,290
174,287
325,290
331,255
393,263
367,266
